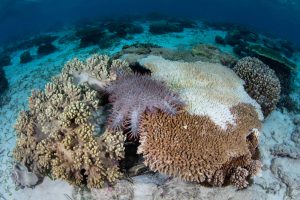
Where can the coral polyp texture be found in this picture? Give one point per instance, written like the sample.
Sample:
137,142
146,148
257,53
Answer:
97,70
61,135
207,88
133,94
261,82
196,149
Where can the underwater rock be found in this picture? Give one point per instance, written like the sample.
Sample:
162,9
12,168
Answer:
25,57
5,60
284,150
296,136
90,35
123,28
22,177
45,49
238,35
3,81
31,42
219,40
287,170
261,82
210,53
145,95
164,27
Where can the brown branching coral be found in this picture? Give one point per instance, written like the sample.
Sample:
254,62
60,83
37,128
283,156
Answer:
61,135
261,82
195,149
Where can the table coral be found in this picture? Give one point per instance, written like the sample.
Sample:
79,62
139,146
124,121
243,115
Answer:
61,135
196,149
261,82
207,88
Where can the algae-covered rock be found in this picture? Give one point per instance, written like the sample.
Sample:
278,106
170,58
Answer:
270,54
210,53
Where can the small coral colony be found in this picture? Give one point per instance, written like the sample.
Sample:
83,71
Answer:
197,121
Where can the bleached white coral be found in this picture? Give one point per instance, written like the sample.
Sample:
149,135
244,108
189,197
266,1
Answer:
208,88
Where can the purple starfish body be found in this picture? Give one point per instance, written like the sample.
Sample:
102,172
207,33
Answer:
133,95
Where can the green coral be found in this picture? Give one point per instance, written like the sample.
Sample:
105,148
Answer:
61,134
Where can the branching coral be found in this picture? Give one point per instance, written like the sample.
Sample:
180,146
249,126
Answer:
97,70
59,135
207,88
261,82
195,149
132,95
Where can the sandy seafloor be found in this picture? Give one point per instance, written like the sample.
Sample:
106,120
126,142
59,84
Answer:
279,178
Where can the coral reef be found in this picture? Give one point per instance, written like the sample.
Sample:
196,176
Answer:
26,57
194,148
3,81
267,53
164,27
96,71
210,53
261,82
62,135
124,28
45,49
207,88
5,60
22,177
132,95
89,35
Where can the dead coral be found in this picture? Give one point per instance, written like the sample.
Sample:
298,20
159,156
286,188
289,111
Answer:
261,82
62,135
195,149
132,95
22,177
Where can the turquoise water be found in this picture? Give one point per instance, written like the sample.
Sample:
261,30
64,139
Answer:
38,38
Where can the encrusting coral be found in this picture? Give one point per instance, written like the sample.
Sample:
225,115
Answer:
132,95
61,134
195,149
261,82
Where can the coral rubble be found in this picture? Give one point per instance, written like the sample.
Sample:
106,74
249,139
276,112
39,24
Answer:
261,82
22,177
194,148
